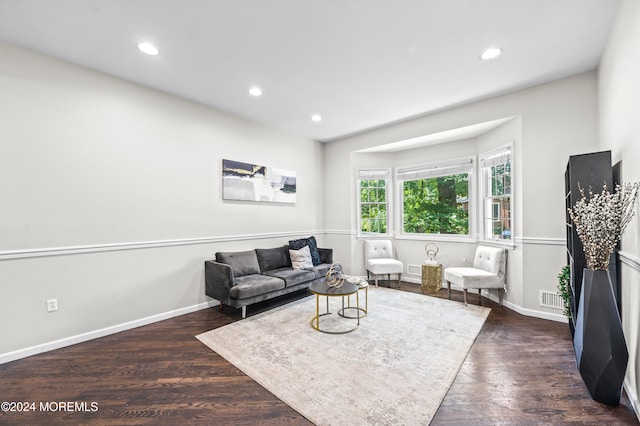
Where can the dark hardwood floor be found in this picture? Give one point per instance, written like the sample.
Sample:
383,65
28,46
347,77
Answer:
520,371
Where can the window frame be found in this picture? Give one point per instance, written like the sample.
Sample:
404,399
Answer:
486,228
378,173
448,167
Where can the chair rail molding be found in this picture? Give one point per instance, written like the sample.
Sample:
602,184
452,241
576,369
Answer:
545,241
97,248
340,232
629,259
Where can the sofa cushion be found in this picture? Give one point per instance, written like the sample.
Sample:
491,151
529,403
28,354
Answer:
321,270
254,285
292,277
242,262
313,248
384,266
301,259
473,278
273,258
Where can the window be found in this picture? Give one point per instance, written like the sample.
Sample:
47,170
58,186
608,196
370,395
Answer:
496,192
435,199
373,205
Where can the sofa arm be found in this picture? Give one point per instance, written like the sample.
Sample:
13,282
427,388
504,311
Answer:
326,255
218,280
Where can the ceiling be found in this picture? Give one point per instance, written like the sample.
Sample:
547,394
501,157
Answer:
360,64
450,135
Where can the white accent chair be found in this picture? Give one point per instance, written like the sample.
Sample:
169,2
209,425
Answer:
488,271
380,260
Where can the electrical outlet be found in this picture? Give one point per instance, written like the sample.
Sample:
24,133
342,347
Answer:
52,305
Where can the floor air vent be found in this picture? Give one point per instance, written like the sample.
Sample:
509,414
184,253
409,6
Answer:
551,299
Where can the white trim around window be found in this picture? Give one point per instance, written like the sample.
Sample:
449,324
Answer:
374,174
494,157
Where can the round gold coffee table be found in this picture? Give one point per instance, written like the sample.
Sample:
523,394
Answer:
321,288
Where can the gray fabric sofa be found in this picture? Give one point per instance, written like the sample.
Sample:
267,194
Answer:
241,278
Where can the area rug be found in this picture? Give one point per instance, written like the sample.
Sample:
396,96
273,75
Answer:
394,369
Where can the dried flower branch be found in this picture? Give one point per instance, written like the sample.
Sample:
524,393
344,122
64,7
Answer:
601,219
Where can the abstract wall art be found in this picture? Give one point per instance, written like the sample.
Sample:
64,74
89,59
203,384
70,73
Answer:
256,182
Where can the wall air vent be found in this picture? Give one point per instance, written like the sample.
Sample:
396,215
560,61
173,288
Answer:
414,270
551,299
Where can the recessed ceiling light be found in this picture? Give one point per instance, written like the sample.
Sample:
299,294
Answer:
255,91
148,48
491,53
316,118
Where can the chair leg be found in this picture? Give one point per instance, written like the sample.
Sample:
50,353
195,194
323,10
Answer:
399,279
244,312
375,277
449,288
500,291
221,305
465,296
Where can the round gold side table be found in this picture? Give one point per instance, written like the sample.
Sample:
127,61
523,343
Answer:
362,284
322,289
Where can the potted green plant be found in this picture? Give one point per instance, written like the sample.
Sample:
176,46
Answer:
599,344
564,290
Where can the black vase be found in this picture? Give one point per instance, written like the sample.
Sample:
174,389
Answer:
600,348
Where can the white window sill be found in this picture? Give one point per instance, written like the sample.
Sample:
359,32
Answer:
437,237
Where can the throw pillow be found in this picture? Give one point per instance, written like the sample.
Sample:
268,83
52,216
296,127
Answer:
273,258
301,259
313,248
242,262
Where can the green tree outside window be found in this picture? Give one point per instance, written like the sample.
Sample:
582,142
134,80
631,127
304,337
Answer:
437,205
373,206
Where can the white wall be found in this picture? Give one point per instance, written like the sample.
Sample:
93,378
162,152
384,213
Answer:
125,182
619,100
90,164
555,120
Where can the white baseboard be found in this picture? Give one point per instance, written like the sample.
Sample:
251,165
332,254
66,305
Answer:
532,312
633,398
72,340
519,309
410,279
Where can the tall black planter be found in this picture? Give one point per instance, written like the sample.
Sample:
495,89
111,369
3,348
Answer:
601,351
